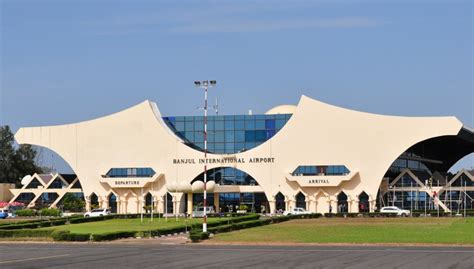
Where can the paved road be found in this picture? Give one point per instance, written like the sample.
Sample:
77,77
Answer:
211,256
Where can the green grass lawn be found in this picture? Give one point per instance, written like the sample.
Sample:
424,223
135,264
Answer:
115,225
359,230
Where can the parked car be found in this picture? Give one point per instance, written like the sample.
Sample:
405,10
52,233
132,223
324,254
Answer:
394,209
296,211
97,213
3,213
198,212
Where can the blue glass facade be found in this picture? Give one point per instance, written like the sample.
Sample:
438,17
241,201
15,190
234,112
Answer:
327,170
227,134
228,176
131,172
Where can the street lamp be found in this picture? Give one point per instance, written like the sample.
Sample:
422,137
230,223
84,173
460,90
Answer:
205,84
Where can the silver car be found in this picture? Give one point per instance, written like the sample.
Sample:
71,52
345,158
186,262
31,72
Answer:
198,212
394,209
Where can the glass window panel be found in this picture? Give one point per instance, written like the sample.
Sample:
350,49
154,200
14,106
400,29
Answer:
211,137
260,135
189,118
199,126
279,124
229,118
413,164
198,137
280,116
219,147
179,126
229,136
221,118
260,124
249,125
201,145
189,126
270,133
239,117
249,145
189,136
270,124
229,146
239,136
269,117
210,126
249,117
210,146
239,125
239,146
219,136
219,125
259,117
179,118
249,136
229,125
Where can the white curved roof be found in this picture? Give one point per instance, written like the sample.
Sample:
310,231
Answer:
283,109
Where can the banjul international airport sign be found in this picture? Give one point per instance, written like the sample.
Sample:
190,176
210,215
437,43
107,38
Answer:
224,160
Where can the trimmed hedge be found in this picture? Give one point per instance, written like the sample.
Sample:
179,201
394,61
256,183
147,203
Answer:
198,236
35,224
68,236
113,235
25,212
51,212
25,233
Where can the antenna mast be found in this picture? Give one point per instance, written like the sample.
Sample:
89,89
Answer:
216,107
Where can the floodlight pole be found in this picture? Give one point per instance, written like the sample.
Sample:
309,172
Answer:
205,85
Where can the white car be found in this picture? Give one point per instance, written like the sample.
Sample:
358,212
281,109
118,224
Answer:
296,211
97,213
394,209
198,212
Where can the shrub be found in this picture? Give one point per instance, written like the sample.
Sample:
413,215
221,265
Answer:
25,233
83,219
198,236
113,235
70,202
68,236
51,212
25,212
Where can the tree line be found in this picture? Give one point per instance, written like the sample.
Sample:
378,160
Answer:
15,161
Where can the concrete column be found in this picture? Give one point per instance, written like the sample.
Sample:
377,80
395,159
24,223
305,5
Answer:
190,203
356,208
155,204
104,203
175,205
290,205
216,202
141,205
272,206
137,205
161,206
119,202
124,206
88,204
330,203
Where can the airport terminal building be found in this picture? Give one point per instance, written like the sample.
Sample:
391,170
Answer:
312,155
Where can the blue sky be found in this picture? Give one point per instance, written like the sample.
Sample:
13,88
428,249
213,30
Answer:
67,61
